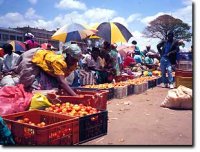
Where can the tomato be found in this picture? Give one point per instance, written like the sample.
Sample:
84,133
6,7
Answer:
26,120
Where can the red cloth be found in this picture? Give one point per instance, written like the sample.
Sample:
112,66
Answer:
31,44
128,61
14,99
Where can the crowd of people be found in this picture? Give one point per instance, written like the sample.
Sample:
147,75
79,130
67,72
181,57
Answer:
38,68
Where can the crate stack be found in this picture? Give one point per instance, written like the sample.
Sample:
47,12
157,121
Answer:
183,73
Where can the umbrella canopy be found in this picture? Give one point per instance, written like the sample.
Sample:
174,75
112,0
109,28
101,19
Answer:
47,46
113,32
17,46
123,49
72,32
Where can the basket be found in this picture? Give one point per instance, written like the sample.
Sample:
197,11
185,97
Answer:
59,129
185,81
120,92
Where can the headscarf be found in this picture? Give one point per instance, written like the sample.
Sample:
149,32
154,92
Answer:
73,50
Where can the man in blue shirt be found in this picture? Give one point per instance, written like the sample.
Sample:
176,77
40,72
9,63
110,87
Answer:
168,49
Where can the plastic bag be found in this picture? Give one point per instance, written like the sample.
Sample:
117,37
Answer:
14,99
39,101
180,98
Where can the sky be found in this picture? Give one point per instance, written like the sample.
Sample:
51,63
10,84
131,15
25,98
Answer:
134,14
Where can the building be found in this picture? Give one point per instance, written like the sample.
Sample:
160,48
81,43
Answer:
10,34
41,35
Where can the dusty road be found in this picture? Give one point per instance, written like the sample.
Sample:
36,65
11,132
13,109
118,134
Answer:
139,120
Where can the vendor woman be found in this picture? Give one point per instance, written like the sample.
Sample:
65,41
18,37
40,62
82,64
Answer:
43,69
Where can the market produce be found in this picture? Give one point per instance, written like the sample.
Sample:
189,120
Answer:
78,110
27,121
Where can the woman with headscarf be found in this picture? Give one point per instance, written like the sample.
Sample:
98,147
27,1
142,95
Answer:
43,69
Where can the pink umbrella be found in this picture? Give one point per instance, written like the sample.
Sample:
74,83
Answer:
123,49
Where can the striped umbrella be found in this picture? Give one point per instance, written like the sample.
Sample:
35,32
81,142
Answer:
113,32
17,46
72,32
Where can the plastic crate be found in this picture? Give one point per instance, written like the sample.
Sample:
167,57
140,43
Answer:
120,92
90,126
59,129
123,78
184,65
110,91
185,81
138,88
183,73
130,89
145,87
184,56
158,80
84,99
152,83
101,97
93,126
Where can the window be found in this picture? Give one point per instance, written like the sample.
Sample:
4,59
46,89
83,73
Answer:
12,37
19,38
5,37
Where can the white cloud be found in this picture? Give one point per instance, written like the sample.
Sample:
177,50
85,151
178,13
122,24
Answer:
33,1
148,19
71,4
133,18
99,15
121,20
185,14
187,2
30,14
142,41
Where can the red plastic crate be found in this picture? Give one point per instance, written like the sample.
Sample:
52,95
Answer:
94,99
90,126
101,97
183,73
59,129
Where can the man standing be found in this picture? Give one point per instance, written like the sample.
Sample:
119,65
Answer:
168,50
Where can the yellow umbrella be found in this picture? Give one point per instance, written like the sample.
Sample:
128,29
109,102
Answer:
113,32
72,32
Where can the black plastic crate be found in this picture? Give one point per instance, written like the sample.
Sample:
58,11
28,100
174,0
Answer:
152,83
130,90
159,81
111,93
93,126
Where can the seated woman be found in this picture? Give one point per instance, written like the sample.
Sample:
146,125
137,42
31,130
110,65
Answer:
43,69
128,61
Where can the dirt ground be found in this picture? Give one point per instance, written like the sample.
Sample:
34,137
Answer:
139,120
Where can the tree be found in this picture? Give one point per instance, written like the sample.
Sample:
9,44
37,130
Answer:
159,28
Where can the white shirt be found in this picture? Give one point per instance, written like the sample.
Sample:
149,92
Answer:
10,61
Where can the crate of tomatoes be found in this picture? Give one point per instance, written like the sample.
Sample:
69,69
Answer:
92,121
38,127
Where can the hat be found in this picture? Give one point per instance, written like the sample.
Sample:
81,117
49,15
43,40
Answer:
73,50
29,35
